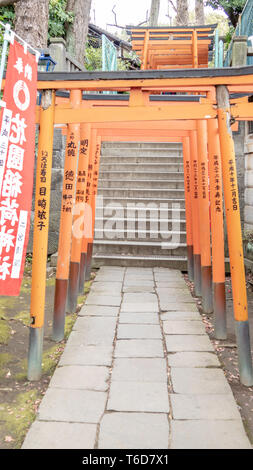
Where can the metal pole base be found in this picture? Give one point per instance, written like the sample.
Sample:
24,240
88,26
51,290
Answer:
88,261
206,289
197,275
61,289
219,302
34,371
244,352
73,287
190,263
82,269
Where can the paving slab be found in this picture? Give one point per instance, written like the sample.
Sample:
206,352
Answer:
139,348
102,299
175,284
181,307
138,288
139,318
218,406
139,331
134,431
145,307
76,406
109,289
199,381
165,301
59,435
180,316
185,327
138,282
87,355
98,311
140,297
193,359
209,434
175,343
109,277
139,370
93,330
81,378
139,396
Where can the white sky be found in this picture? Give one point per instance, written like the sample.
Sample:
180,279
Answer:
128,11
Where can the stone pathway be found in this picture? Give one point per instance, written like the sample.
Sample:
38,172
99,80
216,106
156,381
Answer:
138,372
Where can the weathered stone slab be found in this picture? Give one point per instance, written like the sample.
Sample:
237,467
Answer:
140,397
99,311
105,287
92,330
208,406
110,277
81,378
184,327
134,431
102,299
209,434
59,435
139,370
177,343
81,406
165,300
199,381
180,316
193,359
138,288
135,297
139,318
145,307
139,348
175,284
181,307
87,355
139,331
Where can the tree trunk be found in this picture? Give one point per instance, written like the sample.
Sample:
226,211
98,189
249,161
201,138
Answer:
199,12
154,12
182,18
31,22
78,30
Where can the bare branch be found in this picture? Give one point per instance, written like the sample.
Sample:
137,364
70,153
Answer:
173,6
115,15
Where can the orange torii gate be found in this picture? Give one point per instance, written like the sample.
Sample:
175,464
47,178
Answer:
212,115
173,47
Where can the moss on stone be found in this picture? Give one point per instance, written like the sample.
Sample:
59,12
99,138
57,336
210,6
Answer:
23,317
5,331
69,323
19,415
50,282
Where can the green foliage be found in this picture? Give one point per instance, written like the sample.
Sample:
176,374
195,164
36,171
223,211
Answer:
93,58
58,18
232,8
7,15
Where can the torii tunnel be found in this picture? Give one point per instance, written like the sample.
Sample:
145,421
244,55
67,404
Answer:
199,115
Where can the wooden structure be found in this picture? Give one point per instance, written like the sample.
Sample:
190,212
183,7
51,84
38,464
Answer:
175,47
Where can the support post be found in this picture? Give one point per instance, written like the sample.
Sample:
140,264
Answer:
145,51
188,207
40,237
204,216
217,228
78,222
195,213
234,231
68,194
195,49
94,187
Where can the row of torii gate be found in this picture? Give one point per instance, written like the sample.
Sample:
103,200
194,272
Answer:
196,106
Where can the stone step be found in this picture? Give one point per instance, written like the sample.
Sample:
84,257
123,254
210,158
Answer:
169,145
143,211
142,248
138,234
142,167
137,174
173,262
135,220
140,152
139,184
104,201
153,193
133,159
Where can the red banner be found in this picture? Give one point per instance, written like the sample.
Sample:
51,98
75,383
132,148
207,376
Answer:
17,147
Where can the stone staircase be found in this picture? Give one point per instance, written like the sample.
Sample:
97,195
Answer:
140,212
